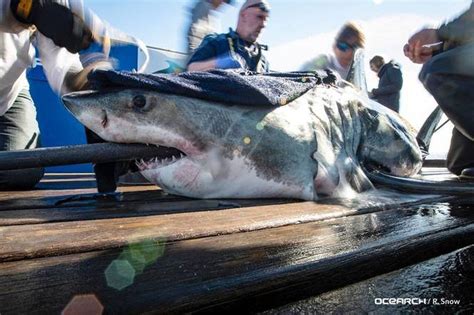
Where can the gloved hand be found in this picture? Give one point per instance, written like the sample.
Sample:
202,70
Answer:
229,61
76,81
54,21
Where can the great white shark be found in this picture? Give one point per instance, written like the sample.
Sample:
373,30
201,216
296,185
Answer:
318,144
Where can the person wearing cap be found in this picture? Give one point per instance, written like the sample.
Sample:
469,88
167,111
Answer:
349,38
58,34
447,55
236,49
201,21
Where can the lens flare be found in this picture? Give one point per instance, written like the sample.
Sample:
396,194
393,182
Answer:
133,260
119,274
83,304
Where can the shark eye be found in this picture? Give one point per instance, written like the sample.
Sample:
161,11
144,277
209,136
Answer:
139,101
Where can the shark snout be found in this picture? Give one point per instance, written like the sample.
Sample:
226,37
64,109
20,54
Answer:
88,108
68,101
76,101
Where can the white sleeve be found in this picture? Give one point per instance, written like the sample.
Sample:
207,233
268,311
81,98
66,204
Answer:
57,62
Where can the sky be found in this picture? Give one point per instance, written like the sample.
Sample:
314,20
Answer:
298,30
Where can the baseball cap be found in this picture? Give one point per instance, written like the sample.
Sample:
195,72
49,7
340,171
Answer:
261,4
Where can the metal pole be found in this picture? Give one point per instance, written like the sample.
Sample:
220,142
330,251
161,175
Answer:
78,154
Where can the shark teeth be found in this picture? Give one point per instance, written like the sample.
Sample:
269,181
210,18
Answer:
158,163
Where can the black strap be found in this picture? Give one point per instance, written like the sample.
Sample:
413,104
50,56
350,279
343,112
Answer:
234,41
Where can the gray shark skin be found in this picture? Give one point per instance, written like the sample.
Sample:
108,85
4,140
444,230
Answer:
313,146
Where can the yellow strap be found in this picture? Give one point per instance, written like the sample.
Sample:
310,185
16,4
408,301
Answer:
231,45
24,8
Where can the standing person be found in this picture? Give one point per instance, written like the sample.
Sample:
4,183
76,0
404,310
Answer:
390,82
448,74
236,49
201,21
349,38
58,34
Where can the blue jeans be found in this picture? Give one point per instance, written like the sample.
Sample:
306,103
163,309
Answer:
19,130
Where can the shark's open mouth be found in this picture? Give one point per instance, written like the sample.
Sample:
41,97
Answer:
169,156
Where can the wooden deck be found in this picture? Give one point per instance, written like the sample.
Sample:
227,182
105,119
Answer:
145,251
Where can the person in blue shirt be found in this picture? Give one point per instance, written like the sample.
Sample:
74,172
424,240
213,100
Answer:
236,49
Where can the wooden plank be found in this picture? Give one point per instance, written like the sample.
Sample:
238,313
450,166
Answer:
38,195
44,199
444,284
236,271
93,210
54,184
76,203
141,203
55,188
39,240
100,234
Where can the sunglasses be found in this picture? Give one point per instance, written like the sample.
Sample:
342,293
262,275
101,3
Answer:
343,46
261,6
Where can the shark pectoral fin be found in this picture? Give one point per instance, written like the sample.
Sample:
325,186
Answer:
358,180
354,175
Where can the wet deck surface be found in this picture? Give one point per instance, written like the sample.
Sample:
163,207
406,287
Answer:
147,251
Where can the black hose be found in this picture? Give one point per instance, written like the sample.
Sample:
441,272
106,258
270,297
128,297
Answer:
77,154
422,186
